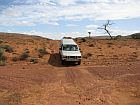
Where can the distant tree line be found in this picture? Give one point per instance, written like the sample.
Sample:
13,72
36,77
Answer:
135,36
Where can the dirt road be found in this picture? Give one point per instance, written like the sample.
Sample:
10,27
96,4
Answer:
73,85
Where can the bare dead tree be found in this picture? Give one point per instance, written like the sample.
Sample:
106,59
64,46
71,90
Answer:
106,26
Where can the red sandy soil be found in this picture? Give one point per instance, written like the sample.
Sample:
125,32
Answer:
109,73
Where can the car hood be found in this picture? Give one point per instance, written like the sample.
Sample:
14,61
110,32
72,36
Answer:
71,53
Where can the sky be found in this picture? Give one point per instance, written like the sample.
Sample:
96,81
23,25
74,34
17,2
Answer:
75,18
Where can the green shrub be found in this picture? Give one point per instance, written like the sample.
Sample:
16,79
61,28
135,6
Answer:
1,52
24,56
26,50
2,57
2,63
15,59
118,37
1,41
34,60
42,52
83,40
7,48
135,36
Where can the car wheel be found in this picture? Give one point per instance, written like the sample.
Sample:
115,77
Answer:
63,62
79,62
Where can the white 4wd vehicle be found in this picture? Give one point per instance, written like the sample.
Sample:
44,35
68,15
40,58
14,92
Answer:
69,51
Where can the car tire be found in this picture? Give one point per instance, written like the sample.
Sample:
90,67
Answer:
79,62
63,62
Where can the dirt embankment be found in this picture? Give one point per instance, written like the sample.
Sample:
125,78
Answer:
109,73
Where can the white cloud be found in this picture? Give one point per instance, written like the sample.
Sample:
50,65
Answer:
92,26
66,2
39,11
54,36
72,25
117,31
53,23
11,12
114,32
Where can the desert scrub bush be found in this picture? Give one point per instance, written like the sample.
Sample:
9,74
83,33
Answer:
2,57
24,55
7,48
83,40
2,63
135,36
87,55
91,45
1,40
13,98
26,50
34,60
1,51
118,37
15,59
41,52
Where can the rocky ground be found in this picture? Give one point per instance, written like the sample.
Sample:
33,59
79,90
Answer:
109,73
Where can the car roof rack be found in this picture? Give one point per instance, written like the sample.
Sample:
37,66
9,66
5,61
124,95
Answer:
67,38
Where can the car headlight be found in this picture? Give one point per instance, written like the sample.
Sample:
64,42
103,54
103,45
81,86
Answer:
64,56
79,56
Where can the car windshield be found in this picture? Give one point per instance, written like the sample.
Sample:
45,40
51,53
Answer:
70,48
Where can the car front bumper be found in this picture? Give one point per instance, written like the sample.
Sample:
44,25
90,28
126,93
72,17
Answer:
73,60
68,58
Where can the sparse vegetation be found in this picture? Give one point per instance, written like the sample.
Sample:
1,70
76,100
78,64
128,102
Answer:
13,99
83,40
42,52
7,48
1,41
2,57
118,37
135,36
24,55
26,50
1,52
87,55
103,70
91,45
2,63
34,60
15,59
